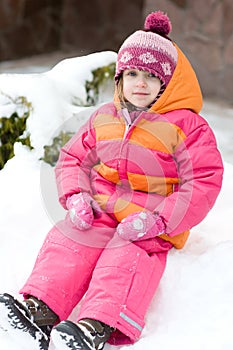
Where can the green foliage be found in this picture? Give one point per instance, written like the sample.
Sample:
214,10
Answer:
100,77
13,129
51,153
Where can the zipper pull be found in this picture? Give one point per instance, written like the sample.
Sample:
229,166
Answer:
127,116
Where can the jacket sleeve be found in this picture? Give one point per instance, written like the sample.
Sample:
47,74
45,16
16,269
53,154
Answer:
75,162
200,171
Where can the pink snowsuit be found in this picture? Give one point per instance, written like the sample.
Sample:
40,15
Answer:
167,161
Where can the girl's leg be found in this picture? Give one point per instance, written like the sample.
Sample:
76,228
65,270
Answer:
122,287
59,279
62,271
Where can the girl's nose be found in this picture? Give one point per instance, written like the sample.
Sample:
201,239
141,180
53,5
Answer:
141,82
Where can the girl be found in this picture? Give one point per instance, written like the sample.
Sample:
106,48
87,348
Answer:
135,179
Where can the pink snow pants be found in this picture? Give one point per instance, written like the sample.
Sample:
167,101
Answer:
116,283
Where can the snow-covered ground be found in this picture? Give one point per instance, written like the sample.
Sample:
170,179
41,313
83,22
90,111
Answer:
193,306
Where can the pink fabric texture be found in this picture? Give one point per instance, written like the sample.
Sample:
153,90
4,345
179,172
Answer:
119,280
82,210
142,225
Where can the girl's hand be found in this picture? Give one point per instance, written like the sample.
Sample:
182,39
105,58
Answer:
141,225
82,210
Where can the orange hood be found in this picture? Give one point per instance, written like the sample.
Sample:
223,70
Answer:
183,90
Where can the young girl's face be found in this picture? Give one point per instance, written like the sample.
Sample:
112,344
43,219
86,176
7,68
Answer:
140,87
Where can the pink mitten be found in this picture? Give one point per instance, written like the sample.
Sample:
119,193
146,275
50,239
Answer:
141,225
82,210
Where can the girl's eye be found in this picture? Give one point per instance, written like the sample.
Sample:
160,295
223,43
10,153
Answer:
132,73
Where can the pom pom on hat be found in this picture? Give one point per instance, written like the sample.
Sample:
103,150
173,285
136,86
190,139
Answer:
158,22
149,49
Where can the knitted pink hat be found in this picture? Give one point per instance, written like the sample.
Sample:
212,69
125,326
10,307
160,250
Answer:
149,49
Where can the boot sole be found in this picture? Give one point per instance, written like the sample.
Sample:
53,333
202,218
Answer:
13,321
66,335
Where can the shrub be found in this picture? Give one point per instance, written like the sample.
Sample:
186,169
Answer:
13,128
51,152
101,76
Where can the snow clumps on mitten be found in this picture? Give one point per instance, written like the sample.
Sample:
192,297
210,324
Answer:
141,225
82,210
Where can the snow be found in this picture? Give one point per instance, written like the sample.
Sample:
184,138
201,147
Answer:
193,306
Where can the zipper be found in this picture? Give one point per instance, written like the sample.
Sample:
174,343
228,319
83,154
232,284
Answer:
128,123
127,120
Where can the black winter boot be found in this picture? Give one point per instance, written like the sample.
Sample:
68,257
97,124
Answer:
87,334
30,316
